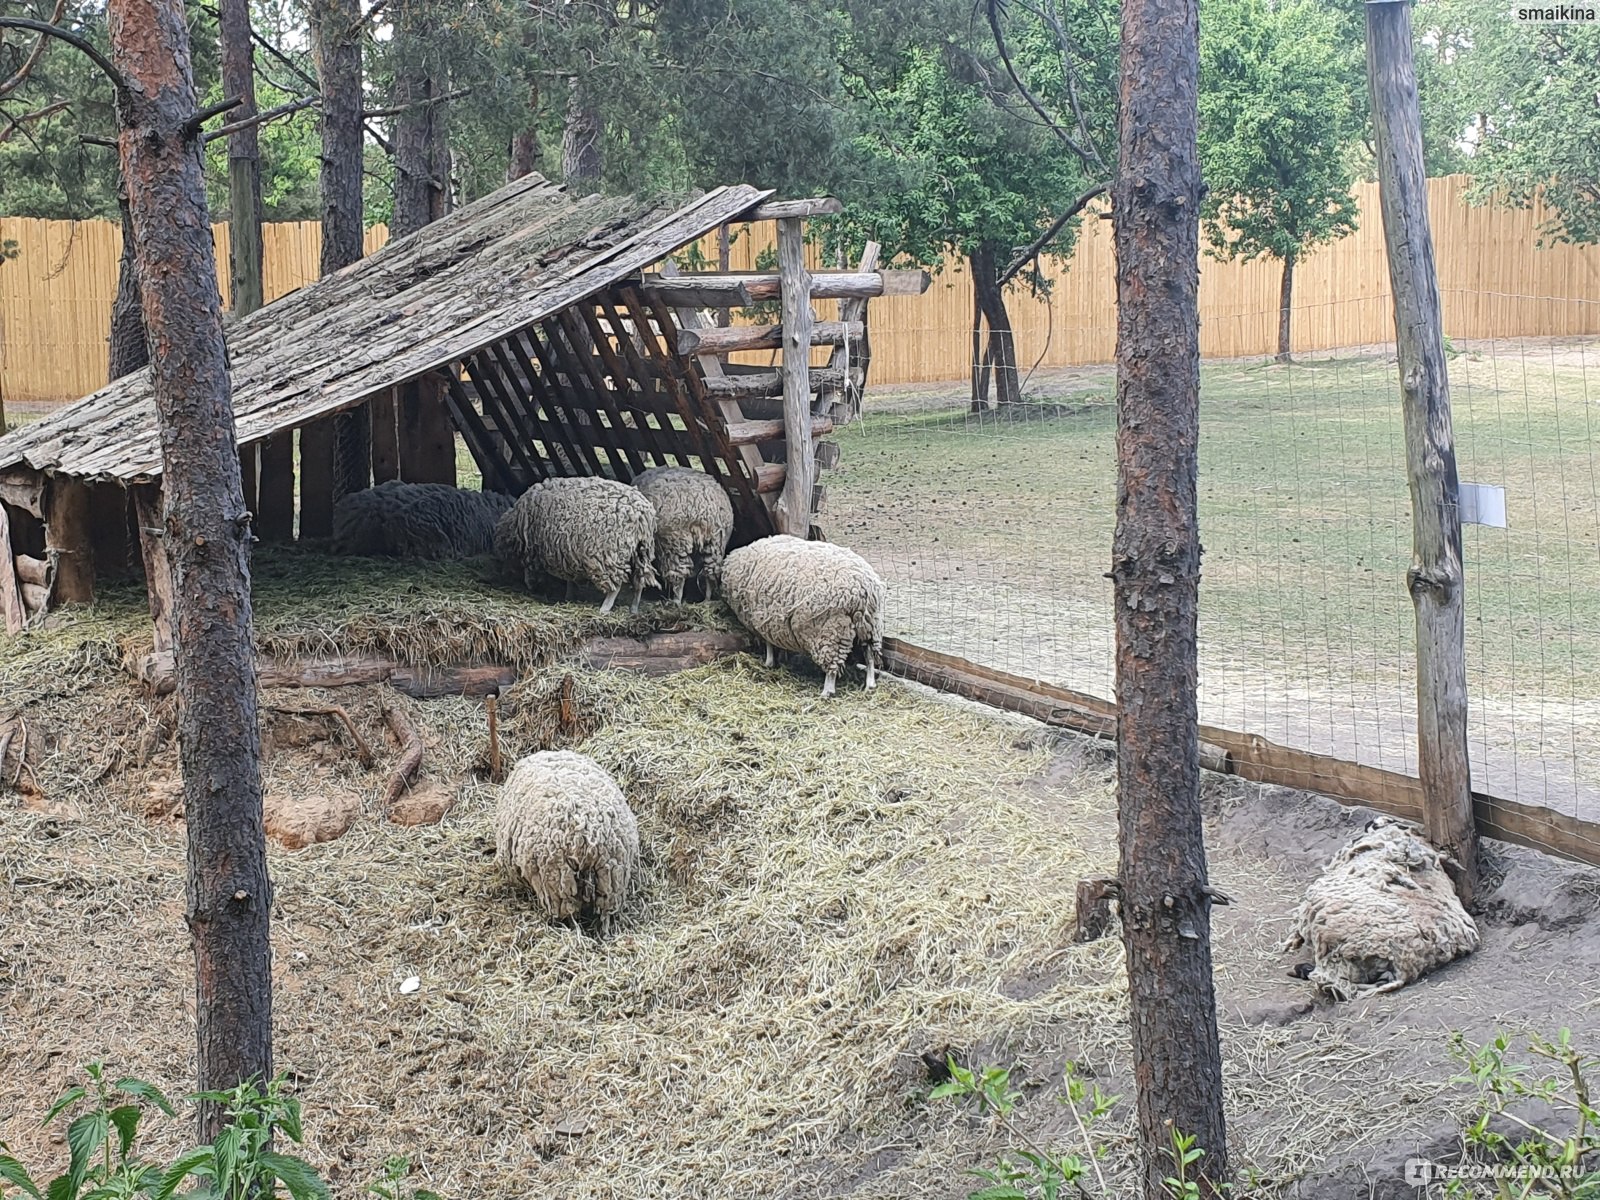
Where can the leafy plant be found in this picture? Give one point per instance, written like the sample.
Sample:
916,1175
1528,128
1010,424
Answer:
1184,1154
393,1184
1543,1162
241,1164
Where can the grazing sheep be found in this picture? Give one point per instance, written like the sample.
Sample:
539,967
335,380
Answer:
584,530
808,597
1382,914
417,520
563,827
694,520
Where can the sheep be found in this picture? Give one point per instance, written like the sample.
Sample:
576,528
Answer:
564,828
694,520
417,520
582,530
1382,914
808,597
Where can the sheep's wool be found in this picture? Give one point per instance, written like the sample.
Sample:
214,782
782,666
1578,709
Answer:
586,530
1382,914
417,520
694,520
812,598
564,828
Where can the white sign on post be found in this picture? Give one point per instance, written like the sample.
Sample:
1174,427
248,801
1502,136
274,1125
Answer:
1483,504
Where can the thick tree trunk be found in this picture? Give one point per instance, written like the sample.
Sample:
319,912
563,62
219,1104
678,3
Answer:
1155,570
207,533
130,349
336,43
421,145
527,154
244,160
1285,298
1001,353
581,161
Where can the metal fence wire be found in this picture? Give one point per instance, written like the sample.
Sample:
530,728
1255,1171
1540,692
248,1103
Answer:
993,532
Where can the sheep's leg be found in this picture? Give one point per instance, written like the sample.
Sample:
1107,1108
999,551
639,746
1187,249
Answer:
638,594
827,684
611,598
872,673
768,662
677,592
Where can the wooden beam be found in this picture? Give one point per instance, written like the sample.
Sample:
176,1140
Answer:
427,438
316,479
12,613
782,210
843,402
793,512
763,337
68,541
31,570
385,409
754,433
738,290
769,479
151,516
761,385
275,489
1435,579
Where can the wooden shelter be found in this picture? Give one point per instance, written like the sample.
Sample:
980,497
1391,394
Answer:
541,327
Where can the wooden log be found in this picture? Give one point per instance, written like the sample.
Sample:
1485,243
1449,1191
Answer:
843,401
275,489
13,615
32,570
1094,912
753,433
769,478
34,598
1435,579
763,337
426,683
67,540
385,410
363,750
151,519
744,290
794,508
662,653
783,210
23,489
316,479
760,385
427,438
410,738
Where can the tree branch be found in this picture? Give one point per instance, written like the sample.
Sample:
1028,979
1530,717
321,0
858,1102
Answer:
261,118
396,109
1049,235
73,40
195,125
15,123
26,69
1088,157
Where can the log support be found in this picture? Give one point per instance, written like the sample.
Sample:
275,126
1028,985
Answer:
793,511
151,521
12,613
275,489
427,438
316,479
68,542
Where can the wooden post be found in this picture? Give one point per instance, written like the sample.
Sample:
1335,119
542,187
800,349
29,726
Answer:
316,479
275,489
1435,578
12,613
427,438
794,508
723,317
66,527
149,513
385,437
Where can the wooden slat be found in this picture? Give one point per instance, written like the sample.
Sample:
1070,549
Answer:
591,429
567,339
275,489
754,433
738,338
481,445
316,479
427,438
385,411
623,375
743,289
816,206
534,423
662,368
574,434
518,438
11,610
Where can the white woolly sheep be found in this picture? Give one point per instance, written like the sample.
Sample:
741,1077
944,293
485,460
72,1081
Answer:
806,597
1382,914
417,520
564,828
583,530
694,520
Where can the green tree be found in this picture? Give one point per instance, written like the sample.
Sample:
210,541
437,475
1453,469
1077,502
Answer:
1276,126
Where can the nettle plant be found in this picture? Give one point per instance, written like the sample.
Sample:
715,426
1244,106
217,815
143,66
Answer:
103,1119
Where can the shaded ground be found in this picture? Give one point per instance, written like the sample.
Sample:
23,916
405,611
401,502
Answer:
828,892
994,535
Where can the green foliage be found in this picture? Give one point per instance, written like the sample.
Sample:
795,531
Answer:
1276,125
1546,1162
393,1184
241,1164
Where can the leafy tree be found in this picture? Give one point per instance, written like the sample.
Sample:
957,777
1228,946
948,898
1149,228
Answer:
1276,124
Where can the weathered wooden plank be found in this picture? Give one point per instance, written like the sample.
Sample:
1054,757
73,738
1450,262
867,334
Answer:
316,479
485,450
645,341
23,488
519,437
12,614
532,419
762,337
632,381
761,385
753,433
574,434
741,290
782,210
570,342
151,517
385,411
793,511
68,540
427,438
1435,579
275,489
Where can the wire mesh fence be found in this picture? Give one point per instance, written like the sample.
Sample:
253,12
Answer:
993,531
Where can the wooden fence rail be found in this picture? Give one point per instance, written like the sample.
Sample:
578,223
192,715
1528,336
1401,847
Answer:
55,296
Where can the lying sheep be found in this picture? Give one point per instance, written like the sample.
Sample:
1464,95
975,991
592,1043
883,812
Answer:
563,827
694,520
417,520
1382,914
584,530
808,597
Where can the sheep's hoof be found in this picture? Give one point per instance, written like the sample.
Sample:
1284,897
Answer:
605,605
768,661
827,684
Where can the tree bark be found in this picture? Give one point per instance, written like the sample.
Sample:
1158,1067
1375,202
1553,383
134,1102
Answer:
421,145
527,154
130,349
244,159
1001,351
581,161
1165,896
207,533
1435,579
793,515
1285,298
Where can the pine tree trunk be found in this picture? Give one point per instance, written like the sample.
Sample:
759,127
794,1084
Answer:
421,148
207,534
244,160
527,154
1285,297
1165,897
1001,354
581,161
130,350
